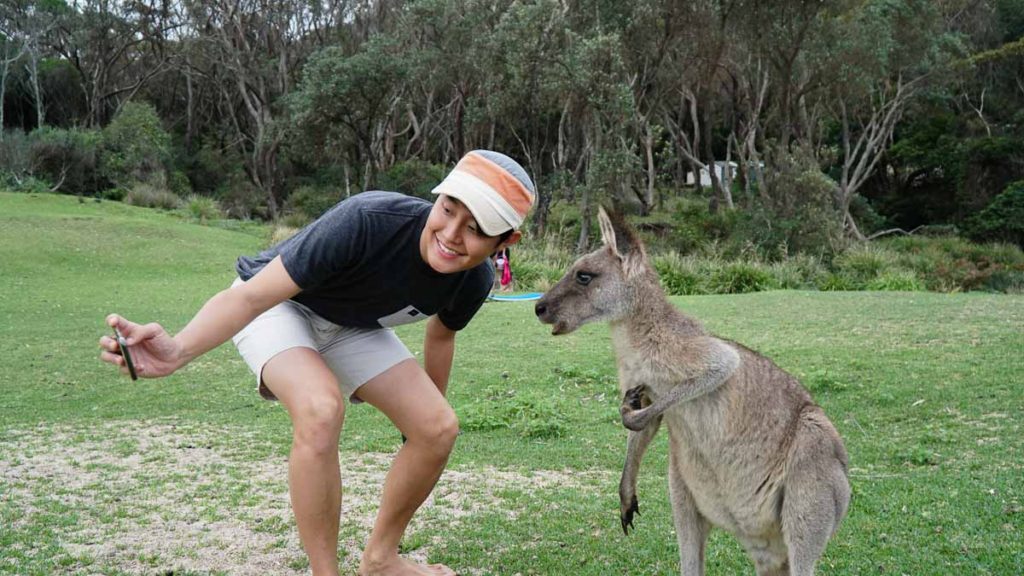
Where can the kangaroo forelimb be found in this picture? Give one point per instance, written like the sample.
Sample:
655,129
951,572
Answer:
636,446
723,362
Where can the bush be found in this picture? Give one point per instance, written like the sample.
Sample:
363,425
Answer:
312,201
799,272
67,158
178,183
149,196
15,154
1003,219
26,184
896,281
679,275
695,228
796,213
280,233
862,263
135,147
203,208
116,194
537,266
412,177
741,277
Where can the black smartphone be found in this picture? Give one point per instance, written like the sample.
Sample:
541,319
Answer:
123,345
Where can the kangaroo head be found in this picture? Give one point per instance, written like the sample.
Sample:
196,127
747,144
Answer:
600,285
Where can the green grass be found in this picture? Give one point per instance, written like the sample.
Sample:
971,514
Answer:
926,389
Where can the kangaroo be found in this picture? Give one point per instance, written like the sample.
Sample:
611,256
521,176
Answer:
749,451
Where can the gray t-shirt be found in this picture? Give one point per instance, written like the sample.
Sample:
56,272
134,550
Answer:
360,265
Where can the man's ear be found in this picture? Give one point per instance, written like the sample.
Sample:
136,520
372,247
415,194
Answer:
516,236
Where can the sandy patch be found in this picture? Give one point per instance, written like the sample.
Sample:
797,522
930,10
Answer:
150,497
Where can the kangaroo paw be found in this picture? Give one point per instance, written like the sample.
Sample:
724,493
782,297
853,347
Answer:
626,515
635,397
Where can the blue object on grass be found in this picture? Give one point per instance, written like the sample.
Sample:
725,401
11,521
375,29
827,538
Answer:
516,297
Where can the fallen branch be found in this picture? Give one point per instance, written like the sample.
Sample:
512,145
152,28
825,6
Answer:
893,231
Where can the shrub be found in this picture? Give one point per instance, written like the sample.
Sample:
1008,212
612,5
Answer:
896,281
26,184
280,233
679,275
796,211
135,147
116,193
741,277
859,264
1003,218
203,208
15,154
413,177
149,196
949,264
312,201
538,265
67,158
799,272
178,183
694,229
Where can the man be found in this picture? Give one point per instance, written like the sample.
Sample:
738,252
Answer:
312,317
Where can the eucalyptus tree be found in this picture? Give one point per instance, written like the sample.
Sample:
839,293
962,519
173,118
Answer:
11,51
345,107
255,50
444,43
29,23
885,54
650,36
116,48
524,102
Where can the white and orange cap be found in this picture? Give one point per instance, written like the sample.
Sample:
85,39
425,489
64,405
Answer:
495,188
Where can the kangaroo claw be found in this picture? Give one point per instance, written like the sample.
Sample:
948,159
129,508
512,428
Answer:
626,517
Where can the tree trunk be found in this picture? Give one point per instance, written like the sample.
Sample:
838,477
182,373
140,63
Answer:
648,199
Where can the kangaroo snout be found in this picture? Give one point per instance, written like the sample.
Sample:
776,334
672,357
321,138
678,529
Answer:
548,314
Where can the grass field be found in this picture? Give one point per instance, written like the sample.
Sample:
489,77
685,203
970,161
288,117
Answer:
187,475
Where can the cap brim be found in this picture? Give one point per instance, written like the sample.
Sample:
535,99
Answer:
480,206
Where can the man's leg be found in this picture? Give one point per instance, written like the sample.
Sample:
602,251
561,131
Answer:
309,390
406,395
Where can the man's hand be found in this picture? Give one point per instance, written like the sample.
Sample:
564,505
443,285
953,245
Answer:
154,352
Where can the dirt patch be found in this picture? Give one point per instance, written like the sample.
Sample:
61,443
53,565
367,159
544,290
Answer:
152,497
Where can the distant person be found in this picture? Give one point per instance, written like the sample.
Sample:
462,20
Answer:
313,317
502,270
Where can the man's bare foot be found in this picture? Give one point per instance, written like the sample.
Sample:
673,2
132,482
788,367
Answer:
398,566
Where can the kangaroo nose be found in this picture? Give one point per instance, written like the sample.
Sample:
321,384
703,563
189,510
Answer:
540,308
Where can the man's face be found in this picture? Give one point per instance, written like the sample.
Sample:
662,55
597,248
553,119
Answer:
452,241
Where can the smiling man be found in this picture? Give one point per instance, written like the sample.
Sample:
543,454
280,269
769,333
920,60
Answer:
313,318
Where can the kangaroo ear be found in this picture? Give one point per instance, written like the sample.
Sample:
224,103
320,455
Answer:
615,234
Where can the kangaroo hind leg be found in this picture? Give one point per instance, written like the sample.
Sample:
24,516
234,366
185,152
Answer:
692,527
816,494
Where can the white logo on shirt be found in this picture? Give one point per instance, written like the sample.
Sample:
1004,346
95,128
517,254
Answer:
406,315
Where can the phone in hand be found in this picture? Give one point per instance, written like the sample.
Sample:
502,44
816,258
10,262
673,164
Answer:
123,345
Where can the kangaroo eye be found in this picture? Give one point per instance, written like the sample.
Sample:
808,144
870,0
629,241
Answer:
583,278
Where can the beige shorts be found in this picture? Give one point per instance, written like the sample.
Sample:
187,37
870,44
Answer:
354,355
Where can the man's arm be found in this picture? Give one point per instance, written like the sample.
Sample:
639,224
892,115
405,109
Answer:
158,354
438,352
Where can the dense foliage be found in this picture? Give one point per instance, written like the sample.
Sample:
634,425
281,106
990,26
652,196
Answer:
801,126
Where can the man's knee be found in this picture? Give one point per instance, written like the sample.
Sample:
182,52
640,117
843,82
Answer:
317,421
438,433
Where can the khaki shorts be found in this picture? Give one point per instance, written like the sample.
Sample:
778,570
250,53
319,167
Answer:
354,355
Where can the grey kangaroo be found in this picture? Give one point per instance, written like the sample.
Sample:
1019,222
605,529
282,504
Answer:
749,451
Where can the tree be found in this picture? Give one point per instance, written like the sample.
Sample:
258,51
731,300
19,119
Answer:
885,56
